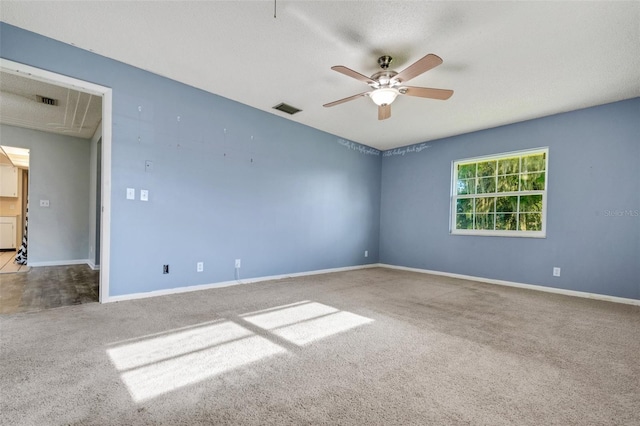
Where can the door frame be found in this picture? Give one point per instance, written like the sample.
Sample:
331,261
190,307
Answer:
106,94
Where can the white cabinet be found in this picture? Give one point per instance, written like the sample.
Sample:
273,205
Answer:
8,181
8,232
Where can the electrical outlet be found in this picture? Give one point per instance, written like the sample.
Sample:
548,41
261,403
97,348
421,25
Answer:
144,195
165,269
366,253
556,271
238,263
200,266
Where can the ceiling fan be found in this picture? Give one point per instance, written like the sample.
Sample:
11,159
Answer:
387,84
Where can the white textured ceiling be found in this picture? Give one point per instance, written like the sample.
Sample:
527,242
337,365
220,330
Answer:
506,61
75,113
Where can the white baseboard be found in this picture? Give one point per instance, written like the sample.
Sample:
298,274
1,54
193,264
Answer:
574,293
230,283
92,265
60,262
178,290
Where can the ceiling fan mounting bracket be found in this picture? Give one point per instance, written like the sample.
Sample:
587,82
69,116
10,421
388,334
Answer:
384,61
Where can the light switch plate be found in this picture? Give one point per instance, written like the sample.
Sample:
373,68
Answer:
144,195
131,194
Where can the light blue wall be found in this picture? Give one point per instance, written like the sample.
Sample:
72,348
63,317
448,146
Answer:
294,199
58,172
281,196
593,178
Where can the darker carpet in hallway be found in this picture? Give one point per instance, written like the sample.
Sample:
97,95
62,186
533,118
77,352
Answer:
48,287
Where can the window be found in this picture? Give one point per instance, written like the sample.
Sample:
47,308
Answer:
500,195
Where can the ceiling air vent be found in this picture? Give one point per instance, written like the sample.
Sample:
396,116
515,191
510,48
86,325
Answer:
47,101
286,108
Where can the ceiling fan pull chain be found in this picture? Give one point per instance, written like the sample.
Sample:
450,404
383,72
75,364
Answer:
274,8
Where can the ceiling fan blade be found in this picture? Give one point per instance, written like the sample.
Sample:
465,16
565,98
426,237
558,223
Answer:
340,101
427,92
384,112
420,66
353,74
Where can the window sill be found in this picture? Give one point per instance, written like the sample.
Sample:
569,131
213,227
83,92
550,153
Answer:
511,234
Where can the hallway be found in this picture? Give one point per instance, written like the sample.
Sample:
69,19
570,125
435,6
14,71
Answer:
48,287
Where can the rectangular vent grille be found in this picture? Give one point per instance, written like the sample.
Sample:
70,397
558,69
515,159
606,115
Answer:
47,101
286,108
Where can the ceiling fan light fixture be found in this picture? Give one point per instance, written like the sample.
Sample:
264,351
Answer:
384,96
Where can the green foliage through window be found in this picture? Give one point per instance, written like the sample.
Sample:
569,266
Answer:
500,193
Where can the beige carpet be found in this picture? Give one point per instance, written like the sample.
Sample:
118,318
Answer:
368,347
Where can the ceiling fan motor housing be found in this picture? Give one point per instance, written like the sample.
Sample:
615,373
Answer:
384,79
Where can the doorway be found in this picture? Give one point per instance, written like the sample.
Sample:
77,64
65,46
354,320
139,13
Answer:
14,189
101,234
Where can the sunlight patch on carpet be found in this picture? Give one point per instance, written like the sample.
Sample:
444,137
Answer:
153,365
306,323
175,344
159,365
288,314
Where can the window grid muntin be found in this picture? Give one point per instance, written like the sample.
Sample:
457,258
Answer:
526,166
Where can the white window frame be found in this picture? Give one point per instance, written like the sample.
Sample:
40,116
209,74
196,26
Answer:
498,233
